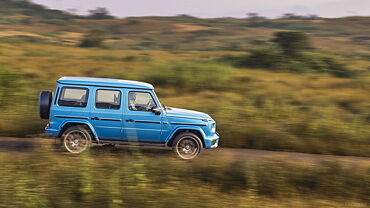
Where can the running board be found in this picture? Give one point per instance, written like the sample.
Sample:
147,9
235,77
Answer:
125,142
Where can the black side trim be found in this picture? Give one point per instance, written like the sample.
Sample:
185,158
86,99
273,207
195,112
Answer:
108,119
157,122
188,124
71,117
131,141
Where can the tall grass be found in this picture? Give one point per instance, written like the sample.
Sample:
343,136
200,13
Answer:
191,76
254,108
121,178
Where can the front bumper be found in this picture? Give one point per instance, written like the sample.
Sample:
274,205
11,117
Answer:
212,141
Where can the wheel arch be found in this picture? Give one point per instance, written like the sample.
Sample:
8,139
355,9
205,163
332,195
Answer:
68,124
196,130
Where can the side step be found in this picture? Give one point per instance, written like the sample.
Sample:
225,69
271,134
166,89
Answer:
135,143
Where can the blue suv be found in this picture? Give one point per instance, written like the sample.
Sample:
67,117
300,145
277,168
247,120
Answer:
112,111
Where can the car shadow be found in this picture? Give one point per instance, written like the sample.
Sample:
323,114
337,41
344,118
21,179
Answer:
29,145
129,150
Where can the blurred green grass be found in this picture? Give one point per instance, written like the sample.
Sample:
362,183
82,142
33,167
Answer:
105,177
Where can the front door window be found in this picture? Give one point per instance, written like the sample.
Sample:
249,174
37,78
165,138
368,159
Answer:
141,101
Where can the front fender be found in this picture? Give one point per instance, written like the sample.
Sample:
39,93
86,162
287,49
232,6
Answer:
184,127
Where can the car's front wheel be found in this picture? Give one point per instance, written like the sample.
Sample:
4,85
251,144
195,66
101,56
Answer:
76,139
187,145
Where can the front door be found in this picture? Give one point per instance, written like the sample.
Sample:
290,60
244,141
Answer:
141,124
107,113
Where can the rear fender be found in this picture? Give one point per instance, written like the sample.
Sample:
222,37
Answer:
87,123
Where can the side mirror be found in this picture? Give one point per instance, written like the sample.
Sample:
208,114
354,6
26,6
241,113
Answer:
157,111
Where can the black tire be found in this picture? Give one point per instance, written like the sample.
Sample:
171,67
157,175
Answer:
187,145
45,98
76,139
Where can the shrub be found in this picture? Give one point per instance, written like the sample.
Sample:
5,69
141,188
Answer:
329,65
262,58
292,42
273,59
93,38
130,58
99,13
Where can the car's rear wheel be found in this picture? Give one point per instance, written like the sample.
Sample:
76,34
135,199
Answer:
187,145
76,139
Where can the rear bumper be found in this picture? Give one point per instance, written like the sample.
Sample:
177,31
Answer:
51,132
212,141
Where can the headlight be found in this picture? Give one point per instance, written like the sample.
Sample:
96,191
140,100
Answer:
213,128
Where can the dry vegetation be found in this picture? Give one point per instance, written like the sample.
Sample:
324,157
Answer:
186,59
106,177
254,108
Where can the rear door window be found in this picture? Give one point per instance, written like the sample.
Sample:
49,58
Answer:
108,99
73,97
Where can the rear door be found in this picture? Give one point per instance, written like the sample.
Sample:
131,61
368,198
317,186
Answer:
71,103
140,123
107,112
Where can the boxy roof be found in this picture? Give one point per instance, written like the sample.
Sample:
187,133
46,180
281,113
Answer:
104,82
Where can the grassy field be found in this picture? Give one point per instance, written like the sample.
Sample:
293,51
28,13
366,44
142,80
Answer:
304,105
254,108
130,177
317,102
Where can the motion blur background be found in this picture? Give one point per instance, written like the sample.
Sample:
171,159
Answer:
296,82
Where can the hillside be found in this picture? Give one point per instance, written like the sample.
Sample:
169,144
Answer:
317,102
308,93
346,35
11,8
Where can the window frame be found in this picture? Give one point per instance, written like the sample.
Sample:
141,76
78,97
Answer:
120,97
128,100
56,99
67,87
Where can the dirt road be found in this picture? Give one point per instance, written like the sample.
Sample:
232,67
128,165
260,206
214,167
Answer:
27,145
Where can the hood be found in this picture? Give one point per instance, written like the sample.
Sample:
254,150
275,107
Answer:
178,112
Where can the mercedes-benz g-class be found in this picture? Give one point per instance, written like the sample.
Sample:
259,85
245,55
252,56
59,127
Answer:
112,111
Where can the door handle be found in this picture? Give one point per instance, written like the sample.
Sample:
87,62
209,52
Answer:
129,120
95,118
